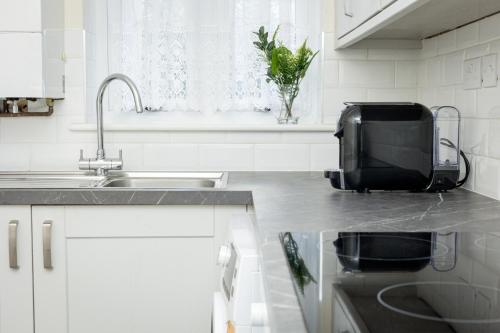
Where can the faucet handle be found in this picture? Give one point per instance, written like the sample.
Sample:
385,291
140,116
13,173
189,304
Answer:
81,154
120,154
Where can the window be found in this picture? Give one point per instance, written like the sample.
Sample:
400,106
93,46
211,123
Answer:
197,56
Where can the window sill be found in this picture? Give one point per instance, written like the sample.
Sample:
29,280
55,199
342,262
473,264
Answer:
90,127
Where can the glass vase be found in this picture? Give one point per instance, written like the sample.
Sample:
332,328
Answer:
286,115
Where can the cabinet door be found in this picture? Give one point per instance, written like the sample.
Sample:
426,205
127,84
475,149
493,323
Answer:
364,10
385,3
16,288
21,15
130,269
344,15
349,14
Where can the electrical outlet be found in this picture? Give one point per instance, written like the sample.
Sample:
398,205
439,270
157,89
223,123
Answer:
472,73
489,70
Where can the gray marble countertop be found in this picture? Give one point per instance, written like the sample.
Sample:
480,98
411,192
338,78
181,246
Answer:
306,202
296,201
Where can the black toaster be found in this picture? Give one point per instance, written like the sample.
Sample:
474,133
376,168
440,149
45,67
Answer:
398,146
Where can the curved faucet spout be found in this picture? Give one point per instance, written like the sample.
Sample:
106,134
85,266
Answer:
100,95
100,164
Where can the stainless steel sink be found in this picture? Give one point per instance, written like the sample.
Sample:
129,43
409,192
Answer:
49,180
114,179
184,180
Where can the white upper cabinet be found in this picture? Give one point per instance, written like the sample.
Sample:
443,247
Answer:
385,3
31,15
21,15
32,57
353,13
408,20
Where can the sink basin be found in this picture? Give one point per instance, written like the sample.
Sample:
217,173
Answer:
187,180
118,179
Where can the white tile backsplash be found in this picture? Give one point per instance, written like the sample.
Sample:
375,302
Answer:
477,51
29,130
392,95
75,72
434,72
467,35
390,54
447,42
14,157
367,74
237,157
282,157
475,136
452,68
324,156
334,99
487,176
63,157
176,157
480,108
133,158
465,101
406,74
489,28
331,74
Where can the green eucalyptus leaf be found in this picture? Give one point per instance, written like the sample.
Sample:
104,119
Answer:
274,62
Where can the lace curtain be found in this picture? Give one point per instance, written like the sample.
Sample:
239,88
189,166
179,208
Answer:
197,55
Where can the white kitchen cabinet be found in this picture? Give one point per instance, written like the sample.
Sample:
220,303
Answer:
20,15
385,3
16,291
364,10
124,269
31,15
32,57
395,22
352,13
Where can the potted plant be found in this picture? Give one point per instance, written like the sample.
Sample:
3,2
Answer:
285,68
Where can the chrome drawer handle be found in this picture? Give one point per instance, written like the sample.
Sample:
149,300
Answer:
13,244
47,244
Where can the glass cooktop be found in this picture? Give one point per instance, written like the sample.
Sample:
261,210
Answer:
398,282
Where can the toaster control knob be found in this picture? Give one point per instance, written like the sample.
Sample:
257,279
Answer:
224,255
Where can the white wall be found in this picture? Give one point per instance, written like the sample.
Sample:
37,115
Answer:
351,75
440,81
50,144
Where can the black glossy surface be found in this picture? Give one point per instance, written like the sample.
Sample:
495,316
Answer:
386,147
413,282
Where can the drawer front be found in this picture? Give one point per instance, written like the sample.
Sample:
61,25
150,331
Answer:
139,221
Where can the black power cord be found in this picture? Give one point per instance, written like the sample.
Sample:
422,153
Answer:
448,143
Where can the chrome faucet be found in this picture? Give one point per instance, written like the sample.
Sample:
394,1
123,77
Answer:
101,164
